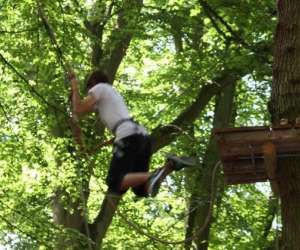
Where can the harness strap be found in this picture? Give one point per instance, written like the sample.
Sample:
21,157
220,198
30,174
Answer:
114,129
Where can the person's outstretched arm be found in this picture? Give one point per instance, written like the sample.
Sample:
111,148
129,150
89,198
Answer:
84,106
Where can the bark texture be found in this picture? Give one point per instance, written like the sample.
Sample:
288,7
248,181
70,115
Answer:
199,205
285,103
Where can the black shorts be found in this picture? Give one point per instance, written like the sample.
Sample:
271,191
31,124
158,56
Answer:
130,154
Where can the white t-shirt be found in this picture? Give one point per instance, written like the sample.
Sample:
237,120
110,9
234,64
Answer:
111,109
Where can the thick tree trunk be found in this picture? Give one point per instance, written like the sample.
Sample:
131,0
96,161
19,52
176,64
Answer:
119,41
200,210
289,185
285,103
100,226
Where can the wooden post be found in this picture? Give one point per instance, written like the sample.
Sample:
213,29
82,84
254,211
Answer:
270,162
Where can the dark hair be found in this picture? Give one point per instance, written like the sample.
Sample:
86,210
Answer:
94,78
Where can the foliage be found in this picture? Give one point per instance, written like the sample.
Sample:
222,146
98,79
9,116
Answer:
176,49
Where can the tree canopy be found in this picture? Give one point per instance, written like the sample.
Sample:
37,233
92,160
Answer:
184,68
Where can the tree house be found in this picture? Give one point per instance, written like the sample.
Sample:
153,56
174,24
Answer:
250,154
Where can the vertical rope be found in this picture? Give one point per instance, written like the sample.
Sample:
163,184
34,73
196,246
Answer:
277,245
76,131
65,65
196,233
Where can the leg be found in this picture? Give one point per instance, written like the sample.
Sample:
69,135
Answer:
134,180
173,163
157,177
130,164
141,165
140,178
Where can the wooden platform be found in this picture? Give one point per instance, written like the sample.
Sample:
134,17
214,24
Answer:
249,154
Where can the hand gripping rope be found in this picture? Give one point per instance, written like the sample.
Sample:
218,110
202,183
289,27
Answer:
76,131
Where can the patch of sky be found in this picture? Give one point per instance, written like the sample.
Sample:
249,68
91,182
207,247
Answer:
259,93
12,241
89,2
254,85
162,44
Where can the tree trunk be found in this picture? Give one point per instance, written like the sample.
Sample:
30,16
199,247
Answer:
107,57
202,191
100,226
285,103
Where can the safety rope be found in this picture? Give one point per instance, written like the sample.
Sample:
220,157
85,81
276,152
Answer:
73,121
277,243
196,233
76,131
64,63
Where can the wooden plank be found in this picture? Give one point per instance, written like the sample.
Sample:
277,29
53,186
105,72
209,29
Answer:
240,129
244,172
270,157
253,129
245,179
243,165
249,143
241,151
258,137
241,173
246,153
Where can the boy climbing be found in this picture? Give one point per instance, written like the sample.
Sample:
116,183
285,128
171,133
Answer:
132,146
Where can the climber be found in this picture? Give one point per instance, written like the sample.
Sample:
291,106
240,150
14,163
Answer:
132,145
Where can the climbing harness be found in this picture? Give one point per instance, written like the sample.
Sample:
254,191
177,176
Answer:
76,131
119,123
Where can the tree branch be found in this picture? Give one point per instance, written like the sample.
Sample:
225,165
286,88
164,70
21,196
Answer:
116,52
5,113
271,213
223,116
52,36
215,25
103,220
234,36
162,136
31,88
19,31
